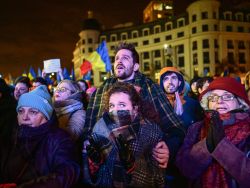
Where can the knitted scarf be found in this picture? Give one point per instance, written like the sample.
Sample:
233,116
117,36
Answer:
215,175
67,106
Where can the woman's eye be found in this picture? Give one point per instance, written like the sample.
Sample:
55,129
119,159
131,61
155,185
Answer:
33,112
122,105
20,111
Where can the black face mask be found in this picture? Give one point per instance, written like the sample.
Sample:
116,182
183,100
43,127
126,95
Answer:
121,117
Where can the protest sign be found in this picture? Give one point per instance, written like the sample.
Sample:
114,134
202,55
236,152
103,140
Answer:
52,65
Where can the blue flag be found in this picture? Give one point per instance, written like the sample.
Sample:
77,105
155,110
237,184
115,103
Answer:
66,74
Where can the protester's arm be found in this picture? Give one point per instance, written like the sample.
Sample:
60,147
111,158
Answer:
234,161
193,157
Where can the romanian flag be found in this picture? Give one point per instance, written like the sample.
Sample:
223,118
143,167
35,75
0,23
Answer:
99,60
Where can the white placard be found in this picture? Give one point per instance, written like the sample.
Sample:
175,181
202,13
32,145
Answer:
52,65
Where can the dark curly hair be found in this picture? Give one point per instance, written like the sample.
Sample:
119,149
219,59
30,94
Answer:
130,47
145,109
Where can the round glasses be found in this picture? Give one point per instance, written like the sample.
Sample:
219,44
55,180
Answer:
62,89
225,97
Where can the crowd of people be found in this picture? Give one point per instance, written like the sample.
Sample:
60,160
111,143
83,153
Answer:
129,132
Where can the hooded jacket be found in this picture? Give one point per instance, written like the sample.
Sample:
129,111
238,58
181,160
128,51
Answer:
188,109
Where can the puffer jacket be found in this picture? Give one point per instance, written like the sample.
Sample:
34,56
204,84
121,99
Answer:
41,156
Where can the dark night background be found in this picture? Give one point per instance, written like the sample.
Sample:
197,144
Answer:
35,30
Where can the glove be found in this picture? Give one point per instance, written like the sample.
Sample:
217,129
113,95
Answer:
95,149
215,131
125,155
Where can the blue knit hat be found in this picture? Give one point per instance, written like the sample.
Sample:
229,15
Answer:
39,99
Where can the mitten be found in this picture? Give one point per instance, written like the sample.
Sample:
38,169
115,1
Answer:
215,131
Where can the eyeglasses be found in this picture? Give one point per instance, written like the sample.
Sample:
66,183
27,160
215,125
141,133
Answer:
225,97
62,89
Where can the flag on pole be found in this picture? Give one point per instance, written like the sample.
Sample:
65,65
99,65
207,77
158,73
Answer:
72,75
99,59
39,72
87,76
31,73
66,74
85,67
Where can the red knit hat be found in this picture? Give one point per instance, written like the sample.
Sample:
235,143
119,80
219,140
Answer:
229,84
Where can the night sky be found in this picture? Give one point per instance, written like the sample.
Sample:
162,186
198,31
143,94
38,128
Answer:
35,30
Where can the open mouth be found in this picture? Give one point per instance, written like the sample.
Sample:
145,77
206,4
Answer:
119,67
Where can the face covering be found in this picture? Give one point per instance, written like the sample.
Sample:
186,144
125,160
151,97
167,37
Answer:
121,117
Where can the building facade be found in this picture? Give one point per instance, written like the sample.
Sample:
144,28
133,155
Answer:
205,40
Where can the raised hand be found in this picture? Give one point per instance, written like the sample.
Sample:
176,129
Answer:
215,131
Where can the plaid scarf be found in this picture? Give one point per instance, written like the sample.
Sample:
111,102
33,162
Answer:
150,92
215,176
113,174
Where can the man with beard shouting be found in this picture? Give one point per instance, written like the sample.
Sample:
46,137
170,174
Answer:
126,69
